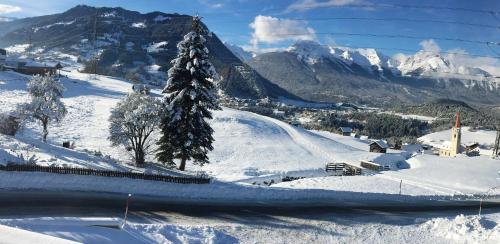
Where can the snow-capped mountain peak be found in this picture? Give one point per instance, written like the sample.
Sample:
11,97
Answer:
313,52
310,51
435,64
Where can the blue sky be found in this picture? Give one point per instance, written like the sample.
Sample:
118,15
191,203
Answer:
254,23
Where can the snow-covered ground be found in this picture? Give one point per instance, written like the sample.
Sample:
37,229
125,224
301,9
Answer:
427,119
485,139
249,148
469,136
309,227
11,235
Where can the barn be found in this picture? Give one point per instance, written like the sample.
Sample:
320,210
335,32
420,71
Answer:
378,146
345,131
34,68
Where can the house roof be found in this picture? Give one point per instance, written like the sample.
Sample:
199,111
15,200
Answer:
346,129
42,65
380,143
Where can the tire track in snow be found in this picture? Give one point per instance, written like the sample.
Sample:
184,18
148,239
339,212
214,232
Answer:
443,190
307,143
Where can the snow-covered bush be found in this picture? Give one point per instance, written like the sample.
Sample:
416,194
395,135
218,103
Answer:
9,124
132,123
24,156
45,105
186,135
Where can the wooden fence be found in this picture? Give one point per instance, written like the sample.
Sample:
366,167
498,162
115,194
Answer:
105,173
342,169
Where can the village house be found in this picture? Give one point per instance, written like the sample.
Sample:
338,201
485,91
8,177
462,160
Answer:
279,113
3,57
452,148
378,146
33,68
345,131
472,150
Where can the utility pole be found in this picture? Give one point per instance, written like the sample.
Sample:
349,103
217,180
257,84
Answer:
94,45
30,42
127,203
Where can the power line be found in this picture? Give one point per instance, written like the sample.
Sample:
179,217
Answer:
424,7
491,49
386,36
402,19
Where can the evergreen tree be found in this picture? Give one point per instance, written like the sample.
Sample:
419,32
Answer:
188,97
45,105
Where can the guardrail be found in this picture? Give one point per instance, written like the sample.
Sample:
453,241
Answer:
105,173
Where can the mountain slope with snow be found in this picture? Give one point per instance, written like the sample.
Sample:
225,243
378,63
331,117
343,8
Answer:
119,51
337,74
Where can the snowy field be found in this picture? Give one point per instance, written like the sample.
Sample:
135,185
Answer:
249,149
427,119
485,139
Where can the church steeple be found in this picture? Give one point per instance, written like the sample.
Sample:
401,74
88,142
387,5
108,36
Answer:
454,147
457,121
456,137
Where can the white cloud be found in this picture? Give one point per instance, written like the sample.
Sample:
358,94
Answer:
211,4
303,5
6,9
217,5
258,50
270,30
460,57
430,46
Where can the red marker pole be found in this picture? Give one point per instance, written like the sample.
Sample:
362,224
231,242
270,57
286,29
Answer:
126,210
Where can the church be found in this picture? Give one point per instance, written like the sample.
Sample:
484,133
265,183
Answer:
454,147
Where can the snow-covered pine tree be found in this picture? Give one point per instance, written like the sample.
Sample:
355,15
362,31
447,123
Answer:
188,97
132,123
45,105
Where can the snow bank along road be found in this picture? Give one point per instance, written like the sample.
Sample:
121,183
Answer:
314,225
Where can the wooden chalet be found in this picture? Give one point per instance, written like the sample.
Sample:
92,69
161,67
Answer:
345,131
378,146
34,68
472,150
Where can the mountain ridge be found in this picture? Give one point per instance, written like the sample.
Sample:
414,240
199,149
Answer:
129,44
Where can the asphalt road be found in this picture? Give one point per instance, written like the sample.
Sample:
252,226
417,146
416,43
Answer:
31,201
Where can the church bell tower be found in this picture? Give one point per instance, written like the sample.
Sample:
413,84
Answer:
456,137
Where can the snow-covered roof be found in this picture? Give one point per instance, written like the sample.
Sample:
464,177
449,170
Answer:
41,65
381,143
346,129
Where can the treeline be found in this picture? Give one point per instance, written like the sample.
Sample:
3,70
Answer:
392,128
445,110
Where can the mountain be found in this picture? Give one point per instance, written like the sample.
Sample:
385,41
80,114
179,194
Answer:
127,44
239,52
434,64
6,19
335,74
